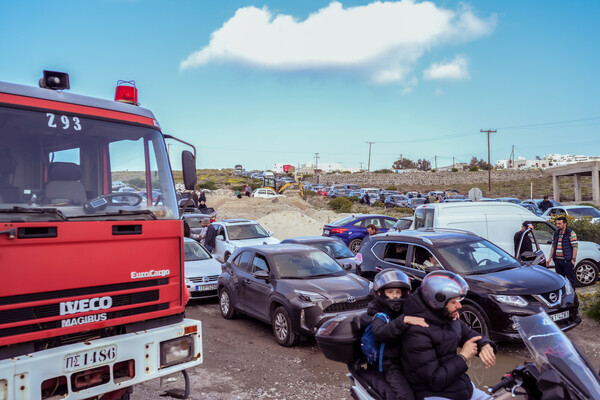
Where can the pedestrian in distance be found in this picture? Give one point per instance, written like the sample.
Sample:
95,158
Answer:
202,197
564,250
210,238
247,190
392,288
526,245
430,360
367,199
545,204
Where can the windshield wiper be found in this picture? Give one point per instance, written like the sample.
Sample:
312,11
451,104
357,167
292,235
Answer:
26,210
119,213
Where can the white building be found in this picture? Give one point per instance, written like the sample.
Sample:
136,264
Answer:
309,168
549,161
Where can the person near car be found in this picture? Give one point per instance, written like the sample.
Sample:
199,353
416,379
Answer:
367,199
202,197
427,201
247,190
372,229
188,233
392,288
439,199
564,250
526,245
210,238
545,204
430,360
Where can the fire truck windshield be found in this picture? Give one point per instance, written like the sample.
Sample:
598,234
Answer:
81,166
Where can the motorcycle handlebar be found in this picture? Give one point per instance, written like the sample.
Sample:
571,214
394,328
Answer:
507,380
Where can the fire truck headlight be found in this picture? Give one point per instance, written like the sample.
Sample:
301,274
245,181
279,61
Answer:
176,351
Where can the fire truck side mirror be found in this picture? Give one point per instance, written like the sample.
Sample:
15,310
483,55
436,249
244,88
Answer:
188,164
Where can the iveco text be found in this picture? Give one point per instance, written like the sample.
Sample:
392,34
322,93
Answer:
84,305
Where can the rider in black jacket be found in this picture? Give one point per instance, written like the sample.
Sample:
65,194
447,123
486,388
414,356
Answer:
429,355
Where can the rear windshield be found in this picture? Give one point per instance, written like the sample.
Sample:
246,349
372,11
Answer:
249,231
311,264
342,222
334,249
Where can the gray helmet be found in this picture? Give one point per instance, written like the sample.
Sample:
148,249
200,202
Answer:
390,278
439,287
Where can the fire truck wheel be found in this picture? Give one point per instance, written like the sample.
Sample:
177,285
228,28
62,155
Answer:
227,310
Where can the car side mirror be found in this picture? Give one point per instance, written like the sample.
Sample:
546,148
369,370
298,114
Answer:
261,274
528,255
271,233
433,268
188,163
347,267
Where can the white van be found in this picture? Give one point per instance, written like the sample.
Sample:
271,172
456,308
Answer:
498,222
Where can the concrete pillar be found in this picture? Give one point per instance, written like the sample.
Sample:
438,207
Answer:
577,187
556,188
595,185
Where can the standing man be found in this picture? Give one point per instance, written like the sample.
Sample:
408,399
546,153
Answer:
564,250
430,360
367,199
526,245
545,204
247,190
210,237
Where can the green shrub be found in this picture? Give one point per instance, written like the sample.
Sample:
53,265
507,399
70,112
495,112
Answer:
434,170
454,169
310,193
585,229
392,188
340,205
210,185
136,183
354,199
474,168
377,204
383,171
591,307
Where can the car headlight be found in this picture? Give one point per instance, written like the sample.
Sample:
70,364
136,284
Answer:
309,296
516,301
176,351
370,286
568,287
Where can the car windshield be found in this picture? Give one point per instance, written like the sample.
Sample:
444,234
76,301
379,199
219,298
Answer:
195,252
334,249
247,231
478,257
342,222
195,222
309,264
584,212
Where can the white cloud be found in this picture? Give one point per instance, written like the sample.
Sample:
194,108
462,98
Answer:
382,39
456,69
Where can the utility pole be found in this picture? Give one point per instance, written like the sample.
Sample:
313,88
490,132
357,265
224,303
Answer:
369,164
316,162
435,157
361,165
453,162
489,164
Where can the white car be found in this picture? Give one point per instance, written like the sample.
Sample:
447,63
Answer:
201,270
573,211
265,193
235,233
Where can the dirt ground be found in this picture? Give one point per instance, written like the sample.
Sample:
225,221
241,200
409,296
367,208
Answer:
243,361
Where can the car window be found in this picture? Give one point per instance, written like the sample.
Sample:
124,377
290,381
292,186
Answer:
246,231
424,218
395,253
359,223
423,258
374,221
310,264
543,232
476,257
243,260
194,222
584,212
259,264
388,223
194,252
334,249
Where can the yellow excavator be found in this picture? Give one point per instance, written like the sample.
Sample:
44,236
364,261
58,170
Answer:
269,182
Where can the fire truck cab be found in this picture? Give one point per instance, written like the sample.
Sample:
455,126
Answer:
93,293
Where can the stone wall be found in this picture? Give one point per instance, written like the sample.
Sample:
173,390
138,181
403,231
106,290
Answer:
443,179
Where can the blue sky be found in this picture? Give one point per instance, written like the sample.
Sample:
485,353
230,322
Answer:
255,83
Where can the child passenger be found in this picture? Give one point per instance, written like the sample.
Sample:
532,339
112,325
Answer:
392,288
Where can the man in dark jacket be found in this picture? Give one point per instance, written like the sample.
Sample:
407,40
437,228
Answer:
210,239
545,204
526,244
564,250
392,288
429,358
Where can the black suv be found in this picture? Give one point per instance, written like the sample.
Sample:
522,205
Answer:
294,287
500,286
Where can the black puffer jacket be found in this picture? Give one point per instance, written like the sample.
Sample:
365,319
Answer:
388,333
429,358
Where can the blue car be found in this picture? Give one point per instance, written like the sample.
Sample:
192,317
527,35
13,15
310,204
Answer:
352,229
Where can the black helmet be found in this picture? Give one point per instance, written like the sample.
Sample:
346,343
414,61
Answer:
390,278
439,287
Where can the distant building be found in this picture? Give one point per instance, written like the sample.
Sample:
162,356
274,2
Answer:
549,161
309,168
282,168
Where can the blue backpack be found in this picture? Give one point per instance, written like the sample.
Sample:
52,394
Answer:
373,350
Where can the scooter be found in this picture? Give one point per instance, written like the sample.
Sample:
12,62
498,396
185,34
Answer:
559,371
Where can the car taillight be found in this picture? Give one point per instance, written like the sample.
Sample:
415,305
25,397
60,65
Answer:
339,230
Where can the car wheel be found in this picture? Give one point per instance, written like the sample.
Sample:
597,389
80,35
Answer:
355,245
226,257
474,319
227,310
586,273
282,327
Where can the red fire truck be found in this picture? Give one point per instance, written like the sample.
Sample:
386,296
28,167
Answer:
92,297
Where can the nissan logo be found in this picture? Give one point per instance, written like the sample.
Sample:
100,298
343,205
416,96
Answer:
351,299
552,297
